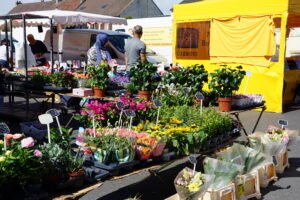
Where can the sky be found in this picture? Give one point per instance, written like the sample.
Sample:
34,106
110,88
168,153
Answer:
6,5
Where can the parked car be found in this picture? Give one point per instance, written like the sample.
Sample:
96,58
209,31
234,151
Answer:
73,44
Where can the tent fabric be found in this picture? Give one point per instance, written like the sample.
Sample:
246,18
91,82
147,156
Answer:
69,18
244,40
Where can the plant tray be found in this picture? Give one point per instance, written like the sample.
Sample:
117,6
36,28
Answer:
115,168
247,186
226,193
93,174
56,89
282,160
34,129
254,105
267,173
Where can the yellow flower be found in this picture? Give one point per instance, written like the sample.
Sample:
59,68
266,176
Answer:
1,142
194,187
2,158
8,153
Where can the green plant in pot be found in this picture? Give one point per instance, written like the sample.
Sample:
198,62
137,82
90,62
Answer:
225,81
145,78
99,77
74,165
103,148
124,150
63,79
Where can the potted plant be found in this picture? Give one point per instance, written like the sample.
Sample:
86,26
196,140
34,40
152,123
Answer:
145,145
123,148
100,79
145,78
224,81
74,166
131,88
63,79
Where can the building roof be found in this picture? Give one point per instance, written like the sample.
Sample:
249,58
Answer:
105,7
47,5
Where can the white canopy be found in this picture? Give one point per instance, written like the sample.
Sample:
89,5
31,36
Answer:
63,17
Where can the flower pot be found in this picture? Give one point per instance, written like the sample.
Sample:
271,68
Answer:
145,95
76,174
101,155
225,104
124,155
143,153
98,92
159,149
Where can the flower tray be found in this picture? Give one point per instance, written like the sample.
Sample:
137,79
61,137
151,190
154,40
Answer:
115,168
34,129
267,173
282,162
57,89
246,107
93,174
226,193
247,186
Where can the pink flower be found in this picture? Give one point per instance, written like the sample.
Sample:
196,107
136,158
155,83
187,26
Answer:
17,136
37,153
27,142
163,73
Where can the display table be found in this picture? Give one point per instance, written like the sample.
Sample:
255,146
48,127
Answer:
236,112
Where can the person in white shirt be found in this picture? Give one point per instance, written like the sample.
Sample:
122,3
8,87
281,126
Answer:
3,52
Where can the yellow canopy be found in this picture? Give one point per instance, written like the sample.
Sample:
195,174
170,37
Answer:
230,8
268,80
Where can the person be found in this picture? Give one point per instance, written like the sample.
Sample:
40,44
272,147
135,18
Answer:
3,53
38,49
135,49
98,52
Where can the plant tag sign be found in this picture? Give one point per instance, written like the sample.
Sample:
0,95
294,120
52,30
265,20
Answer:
53,112
120,105
193,159
158,103
199,96
129,113
46,119
4,129
274,160
186,91
283,122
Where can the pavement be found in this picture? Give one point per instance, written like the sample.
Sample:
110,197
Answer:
150,187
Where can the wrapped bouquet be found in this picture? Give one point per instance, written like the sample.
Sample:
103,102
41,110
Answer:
192,185
224,172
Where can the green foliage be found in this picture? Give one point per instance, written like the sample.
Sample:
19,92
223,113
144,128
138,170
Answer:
226,80
39,79
63,79
73,163
64,139
99,75
144,77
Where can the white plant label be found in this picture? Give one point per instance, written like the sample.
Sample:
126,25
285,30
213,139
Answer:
46,119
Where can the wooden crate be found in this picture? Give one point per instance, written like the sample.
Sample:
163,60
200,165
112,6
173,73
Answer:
282,162
226,193
247,186
267,173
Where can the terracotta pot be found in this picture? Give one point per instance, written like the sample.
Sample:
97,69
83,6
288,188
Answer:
145,94
225,104
98,92
79,173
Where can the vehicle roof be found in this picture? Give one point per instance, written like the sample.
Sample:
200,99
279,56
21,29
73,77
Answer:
107,32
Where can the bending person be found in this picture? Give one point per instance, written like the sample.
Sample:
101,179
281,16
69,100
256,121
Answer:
38,49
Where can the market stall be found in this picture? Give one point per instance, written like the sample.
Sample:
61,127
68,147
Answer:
232,32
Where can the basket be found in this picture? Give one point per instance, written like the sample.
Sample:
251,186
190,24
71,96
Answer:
226,193
267,173
247,186
282,160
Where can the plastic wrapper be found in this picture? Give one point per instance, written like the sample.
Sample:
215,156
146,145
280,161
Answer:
224,172
242,155
192,187
272,147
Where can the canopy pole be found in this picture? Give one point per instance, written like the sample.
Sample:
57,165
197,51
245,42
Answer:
11,45
6,38
25,46
51,46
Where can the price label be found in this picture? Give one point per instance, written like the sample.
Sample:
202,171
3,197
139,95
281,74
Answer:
199,96
129,113
53,112
241,190
186,91
120,105
4,129
192,159
283,122
45,119
158,103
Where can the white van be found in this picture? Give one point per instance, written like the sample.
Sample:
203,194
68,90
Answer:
73,44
